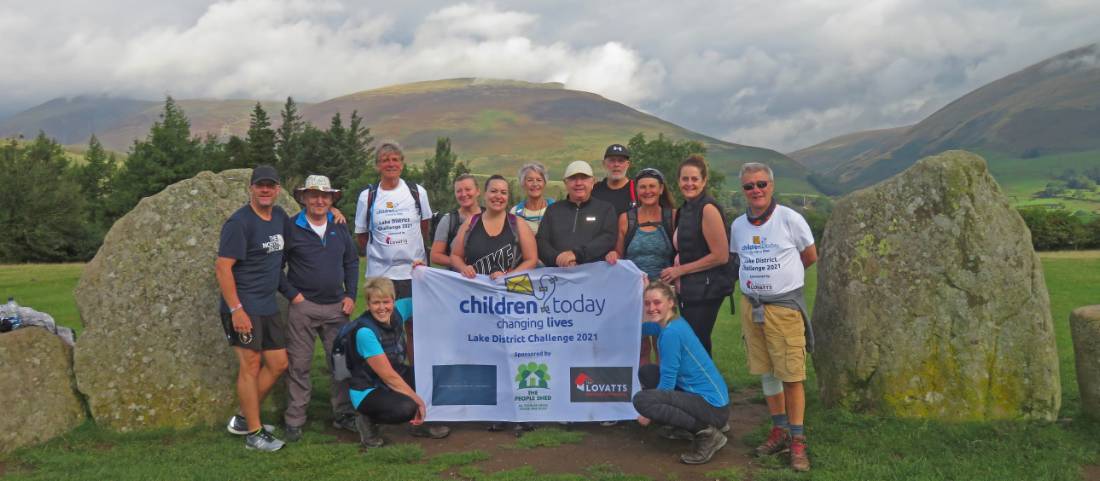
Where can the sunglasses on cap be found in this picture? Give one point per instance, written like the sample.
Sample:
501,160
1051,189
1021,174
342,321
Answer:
650,172
760,184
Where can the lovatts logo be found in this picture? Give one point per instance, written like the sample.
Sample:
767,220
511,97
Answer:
389,205
600,384
756,239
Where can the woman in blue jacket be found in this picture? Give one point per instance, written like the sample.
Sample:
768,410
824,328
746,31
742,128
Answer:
685,390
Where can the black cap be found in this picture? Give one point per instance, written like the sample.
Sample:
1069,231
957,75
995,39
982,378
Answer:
617,149
265,172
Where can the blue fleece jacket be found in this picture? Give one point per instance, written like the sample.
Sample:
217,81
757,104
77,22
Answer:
685,365
323,269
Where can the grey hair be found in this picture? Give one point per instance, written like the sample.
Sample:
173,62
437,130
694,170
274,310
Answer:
751,167
532,167
388,146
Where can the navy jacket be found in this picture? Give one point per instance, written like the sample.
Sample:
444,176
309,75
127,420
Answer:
326,270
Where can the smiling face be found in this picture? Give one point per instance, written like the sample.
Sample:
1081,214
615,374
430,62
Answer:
657,306
496,195
390,165
263,193
579,187
317,203
533,184
692,181
649,191
381,307
759,198
466,193
616,166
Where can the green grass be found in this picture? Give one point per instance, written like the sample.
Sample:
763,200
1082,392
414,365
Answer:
1022,178
44,287
843,446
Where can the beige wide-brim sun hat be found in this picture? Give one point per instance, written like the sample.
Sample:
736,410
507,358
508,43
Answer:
319,183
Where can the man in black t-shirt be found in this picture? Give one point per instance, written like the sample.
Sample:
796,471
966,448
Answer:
616,188
249,273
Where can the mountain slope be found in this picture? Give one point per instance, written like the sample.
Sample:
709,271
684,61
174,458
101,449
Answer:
1051,107
494,125
497,125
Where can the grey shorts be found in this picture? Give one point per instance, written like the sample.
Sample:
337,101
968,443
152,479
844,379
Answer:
268,332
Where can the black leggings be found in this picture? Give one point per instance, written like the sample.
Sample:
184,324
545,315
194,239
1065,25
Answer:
675,408
701,315
386,406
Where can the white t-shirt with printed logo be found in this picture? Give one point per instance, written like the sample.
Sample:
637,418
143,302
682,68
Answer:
770,254
395,236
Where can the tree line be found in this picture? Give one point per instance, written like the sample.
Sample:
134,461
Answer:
59,209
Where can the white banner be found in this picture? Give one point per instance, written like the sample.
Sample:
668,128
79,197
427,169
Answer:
545,345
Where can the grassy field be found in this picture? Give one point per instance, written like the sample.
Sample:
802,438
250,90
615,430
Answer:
844,446
1022,178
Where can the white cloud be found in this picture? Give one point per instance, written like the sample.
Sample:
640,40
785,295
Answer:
782,74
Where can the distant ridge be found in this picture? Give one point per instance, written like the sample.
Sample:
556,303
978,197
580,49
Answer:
1050,107
495,125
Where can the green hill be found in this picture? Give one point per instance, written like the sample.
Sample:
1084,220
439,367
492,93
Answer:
494,125
1049,109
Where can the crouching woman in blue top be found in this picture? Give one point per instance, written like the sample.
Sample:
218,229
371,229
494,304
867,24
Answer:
685,391
381,378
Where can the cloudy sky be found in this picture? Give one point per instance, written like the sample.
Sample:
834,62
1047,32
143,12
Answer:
775,73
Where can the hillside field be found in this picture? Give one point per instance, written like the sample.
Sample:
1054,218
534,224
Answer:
843,446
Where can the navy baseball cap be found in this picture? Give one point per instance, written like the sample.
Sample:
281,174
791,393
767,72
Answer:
617,149
264,172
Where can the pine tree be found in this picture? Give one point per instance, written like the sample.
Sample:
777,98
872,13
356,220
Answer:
439,173
42,218
288,140
260,138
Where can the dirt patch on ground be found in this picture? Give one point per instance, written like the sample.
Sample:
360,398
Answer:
1090,472
627,446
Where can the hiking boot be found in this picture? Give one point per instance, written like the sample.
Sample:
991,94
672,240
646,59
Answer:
674,433
706,443
262,441
498,426
239,425
293,434
726,427
345,422
434,431
778,441
800,461
370,434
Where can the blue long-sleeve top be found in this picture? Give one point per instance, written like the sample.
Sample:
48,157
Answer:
685,365
325,269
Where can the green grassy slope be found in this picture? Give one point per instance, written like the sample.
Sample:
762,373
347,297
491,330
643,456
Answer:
497,125
1052,107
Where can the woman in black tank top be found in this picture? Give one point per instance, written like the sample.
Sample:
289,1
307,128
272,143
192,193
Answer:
494,243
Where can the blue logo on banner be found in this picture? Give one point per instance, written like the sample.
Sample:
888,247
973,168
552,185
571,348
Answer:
464,385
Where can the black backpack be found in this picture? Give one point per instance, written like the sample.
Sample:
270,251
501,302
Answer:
452,228
342,347
632,226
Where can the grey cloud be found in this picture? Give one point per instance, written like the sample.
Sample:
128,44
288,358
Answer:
778,74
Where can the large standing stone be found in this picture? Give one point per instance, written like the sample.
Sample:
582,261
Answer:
36,388
153,352
931,300
1084,324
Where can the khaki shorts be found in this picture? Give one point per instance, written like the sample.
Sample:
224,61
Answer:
778,346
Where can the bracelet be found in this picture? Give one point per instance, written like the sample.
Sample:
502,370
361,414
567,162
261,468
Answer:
235,309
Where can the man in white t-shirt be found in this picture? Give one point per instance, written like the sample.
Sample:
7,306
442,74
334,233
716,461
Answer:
775,247
391,224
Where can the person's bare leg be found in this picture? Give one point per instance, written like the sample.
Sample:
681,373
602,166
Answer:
247,386
795,402
275,364
777,404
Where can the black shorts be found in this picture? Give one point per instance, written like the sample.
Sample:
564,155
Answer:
268,332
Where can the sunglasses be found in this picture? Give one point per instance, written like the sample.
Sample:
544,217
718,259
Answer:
650,172
760,184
